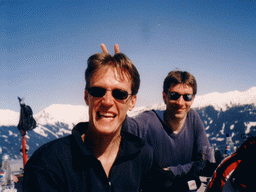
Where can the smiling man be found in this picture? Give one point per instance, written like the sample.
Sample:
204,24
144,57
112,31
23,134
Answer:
99,155
177,134
179,93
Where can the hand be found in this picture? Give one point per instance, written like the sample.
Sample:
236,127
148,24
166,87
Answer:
15,178
198,167
203,168
105,50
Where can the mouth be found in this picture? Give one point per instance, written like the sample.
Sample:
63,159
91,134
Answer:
180,110
104,115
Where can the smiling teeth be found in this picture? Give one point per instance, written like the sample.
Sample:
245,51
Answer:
107,115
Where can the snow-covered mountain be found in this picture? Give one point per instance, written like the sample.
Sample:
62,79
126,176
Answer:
233,112
8,117
223,101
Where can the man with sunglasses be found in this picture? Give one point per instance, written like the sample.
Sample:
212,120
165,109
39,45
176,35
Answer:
177,134
99,155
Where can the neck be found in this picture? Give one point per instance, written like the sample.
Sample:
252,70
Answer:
173,123
104,147
102,144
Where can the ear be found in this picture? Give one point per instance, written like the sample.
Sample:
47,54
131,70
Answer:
132,102
164,97
86,97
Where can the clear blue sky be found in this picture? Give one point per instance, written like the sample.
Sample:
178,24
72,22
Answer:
45,45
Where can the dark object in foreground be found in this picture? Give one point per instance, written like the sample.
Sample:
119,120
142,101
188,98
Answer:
27,122
203,168
165,181
236,172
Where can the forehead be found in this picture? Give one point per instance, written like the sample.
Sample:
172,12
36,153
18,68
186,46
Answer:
181,88
108,76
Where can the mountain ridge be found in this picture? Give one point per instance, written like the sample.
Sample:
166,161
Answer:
55,121
220,101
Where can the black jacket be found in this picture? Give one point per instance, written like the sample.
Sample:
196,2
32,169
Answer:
67,164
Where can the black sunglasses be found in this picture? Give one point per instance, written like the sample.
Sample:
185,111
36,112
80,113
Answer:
100,92
176,96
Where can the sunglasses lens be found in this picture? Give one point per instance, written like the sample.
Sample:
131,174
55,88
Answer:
97,91
120,94
188,97
174,95
100,92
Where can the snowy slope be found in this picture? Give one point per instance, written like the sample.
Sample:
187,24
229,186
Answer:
221,101
69,114
8,117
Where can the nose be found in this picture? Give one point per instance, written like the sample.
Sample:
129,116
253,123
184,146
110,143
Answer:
108,98
180,101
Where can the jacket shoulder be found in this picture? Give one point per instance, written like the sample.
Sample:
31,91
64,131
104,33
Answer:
49,151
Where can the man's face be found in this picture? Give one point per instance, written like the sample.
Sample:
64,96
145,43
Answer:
179,108
106,114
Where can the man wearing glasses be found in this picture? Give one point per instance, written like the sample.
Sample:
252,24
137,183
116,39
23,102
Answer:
99,155
177,134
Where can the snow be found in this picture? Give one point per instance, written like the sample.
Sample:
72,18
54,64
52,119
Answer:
220,139
223,128
43,131
70,114
40,131
221,101
249,125
9,117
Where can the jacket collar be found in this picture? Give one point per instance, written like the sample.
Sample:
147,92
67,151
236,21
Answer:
81,153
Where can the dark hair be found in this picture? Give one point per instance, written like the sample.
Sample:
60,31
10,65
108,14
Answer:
180,77
119,61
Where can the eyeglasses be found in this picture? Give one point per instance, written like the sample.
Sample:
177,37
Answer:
116,93
175,96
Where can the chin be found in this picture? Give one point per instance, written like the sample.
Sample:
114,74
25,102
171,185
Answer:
180,115
104,129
